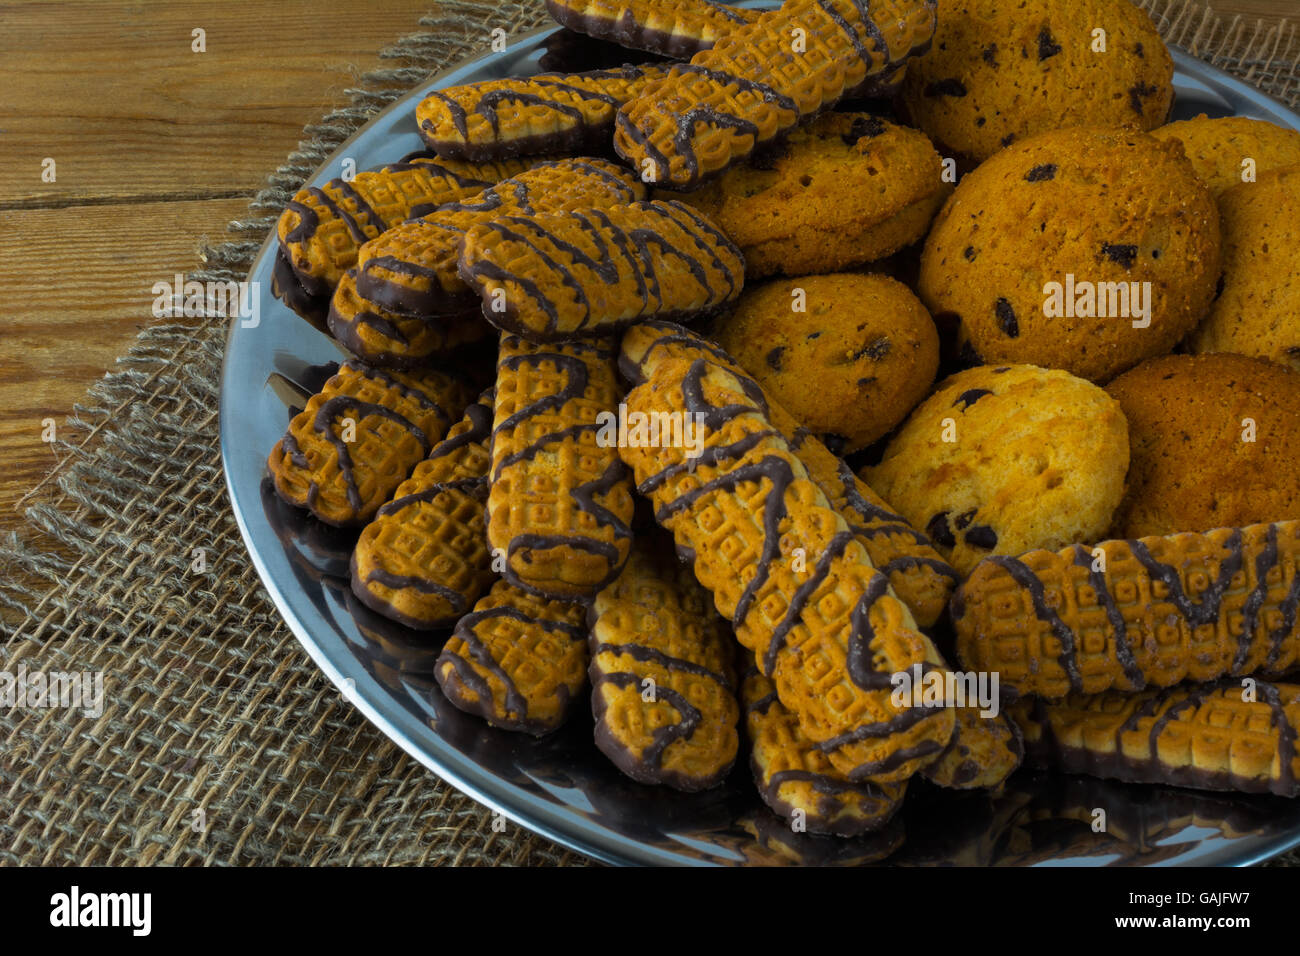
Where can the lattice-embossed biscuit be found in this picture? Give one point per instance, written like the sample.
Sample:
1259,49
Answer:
323,227
560,504
589,272
411,269
1160,610
391,340
793,776
663,685
675,28
821,622
424,560
1219,736
755,83
357,439
919,576
517,660
984,751
524,116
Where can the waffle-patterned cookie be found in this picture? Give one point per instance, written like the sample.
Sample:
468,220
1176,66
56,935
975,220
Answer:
424,560
323,227
984,751
663,686
527,116
675,28
517,660
561,503
411,269
357,439
921,579
820,621
796,780
554,276
391,340
760,80
1162,610
1220,736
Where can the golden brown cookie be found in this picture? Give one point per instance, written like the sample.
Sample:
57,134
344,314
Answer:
845,190
663,685
983,753
1224,151
562,275
517,660
1003,459
1257,311
411,269
323,227
1135,614
1081,249
1213,441
424,560
795,779
357,439
921,579
1219,736
759,81
865,342
525,116
561,500
674,28
391,340
821,622
1001,71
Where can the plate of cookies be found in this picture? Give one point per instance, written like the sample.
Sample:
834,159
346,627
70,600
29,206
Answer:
829,433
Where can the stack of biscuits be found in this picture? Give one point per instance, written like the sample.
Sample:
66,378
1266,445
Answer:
643,406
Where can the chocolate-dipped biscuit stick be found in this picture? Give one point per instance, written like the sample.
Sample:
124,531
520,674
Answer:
759,81
424,560
823,623
589,272
663,686
356,440
1218,736
675,28
1132,614
525,116
560,504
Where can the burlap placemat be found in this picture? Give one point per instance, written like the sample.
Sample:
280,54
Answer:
220,742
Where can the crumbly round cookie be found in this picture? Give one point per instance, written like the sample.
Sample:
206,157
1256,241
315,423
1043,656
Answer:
1258,310
1218,147
1038,252
849,366
1000,71
845,190
1005,459
1192,468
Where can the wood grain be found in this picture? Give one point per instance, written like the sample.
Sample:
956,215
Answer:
155,146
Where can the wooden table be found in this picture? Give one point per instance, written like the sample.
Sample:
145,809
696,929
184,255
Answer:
155,146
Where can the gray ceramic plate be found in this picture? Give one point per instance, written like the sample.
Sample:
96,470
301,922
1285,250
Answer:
561,786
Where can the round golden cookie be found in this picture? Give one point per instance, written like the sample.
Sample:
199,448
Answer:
1005,459
1193,467
856,359
1258,310
1000,71
1053,251
847,189
1217,148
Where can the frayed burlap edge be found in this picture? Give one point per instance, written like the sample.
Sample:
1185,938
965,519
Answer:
220,742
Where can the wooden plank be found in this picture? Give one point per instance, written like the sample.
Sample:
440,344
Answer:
76,290
114,94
